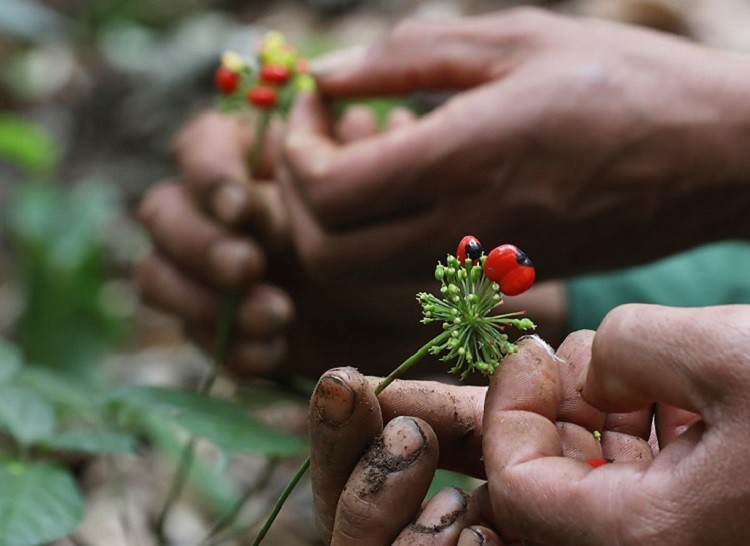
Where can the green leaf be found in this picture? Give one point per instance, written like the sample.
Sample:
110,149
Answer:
25,414
63,390
211,480
92,441
25,145
226,425
39,503
445,478
10,361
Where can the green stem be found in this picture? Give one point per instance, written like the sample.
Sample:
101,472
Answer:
395,374
229,518
230,307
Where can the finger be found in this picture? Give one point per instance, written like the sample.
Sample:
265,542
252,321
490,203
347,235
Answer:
257,208
578,443
163,286
575,352
478,535
265,311
453,412
575,355
647,353
245,357
358,122
387,486
522,454
196,244
620,448
441,520
400,117
212,153
422,55
336,182
344,418
385,242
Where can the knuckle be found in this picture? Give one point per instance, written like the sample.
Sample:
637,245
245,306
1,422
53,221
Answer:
526,17
156,201
204,122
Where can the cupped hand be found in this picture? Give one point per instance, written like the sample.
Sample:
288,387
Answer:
695,364
369,481
216,230
585,143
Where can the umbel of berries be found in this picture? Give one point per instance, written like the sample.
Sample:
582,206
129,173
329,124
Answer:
471,291
268,81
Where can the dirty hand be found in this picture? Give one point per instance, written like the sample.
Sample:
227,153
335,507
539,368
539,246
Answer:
567,137
694,363
370,492
209,230
215,230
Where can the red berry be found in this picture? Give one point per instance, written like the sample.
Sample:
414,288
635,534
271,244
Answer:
468,247
501,261
517,281
511,269
273,73
226,81
262,96
596,463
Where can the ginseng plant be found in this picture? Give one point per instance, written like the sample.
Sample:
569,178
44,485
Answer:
266,84
472,285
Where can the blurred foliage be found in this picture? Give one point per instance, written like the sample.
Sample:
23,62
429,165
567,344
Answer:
99,14
67,322
223,423
39,503
26,146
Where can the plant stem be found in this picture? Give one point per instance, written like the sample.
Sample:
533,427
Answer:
231,305
229,518
395,374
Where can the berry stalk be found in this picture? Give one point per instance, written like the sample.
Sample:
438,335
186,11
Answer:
228,317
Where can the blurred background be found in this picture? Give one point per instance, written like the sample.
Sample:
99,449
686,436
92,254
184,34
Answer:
92,93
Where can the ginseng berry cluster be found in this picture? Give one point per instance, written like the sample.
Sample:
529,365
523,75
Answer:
269,80
472,286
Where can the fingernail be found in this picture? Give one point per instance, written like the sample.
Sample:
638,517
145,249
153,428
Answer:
229,201
535,339
403,438
334,400
230,259
471,536
308,151
337,61
442,511
281,312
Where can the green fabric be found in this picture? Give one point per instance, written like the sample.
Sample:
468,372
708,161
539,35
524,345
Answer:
716,274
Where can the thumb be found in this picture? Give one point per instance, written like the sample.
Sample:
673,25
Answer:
428,55
692,359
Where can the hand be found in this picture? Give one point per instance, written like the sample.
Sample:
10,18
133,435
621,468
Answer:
216,230
369,481
585,143
355,485
695,491
200,227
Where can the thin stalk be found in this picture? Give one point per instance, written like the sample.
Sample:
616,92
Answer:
232,301
395,374
230,517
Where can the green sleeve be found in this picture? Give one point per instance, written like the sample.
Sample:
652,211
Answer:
716,274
